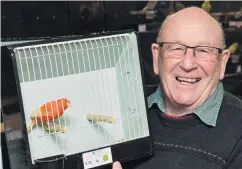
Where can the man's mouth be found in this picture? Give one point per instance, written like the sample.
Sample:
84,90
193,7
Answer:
188,80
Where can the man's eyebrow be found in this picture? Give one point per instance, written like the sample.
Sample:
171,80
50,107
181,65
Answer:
205,44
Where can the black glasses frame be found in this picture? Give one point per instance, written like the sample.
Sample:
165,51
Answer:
191,47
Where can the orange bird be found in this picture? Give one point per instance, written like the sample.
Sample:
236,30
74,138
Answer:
48,112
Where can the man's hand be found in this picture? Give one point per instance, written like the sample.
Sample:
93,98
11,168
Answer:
117,165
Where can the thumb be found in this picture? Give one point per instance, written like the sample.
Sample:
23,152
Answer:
117,165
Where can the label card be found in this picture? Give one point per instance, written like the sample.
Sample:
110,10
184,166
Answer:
97,158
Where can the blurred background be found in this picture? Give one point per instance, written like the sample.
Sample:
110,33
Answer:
21,21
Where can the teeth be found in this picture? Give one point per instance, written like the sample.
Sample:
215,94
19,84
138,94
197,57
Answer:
193,80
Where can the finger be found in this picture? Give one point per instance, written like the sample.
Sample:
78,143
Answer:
117,165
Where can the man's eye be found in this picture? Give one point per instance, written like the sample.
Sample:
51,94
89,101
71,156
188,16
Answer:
176,48
203,51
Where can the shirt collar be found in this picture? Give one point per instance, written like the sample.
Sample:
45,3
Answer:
207,112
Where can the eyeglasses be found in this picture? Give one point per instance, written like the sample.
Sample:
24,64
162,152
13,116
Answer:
176,50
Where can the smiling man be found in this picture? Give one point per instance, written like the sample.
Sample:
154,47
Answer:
194,123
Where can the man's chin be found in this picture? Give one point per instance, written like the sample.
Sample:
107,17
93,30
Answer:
184,101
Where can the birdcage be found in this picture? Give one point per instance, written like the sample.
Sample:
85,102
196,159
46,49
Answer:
82,100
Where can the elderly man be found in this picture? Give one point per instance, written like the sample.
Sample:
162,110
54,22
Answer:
195,124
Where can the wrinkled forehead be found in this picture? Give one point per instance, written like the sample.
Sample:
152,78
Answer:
192,33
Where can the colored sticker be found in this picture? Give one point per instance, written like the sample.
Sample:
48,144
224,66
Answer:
97,158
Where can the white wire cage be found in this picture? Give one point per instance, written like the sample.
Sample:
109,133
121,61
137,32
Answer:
81,94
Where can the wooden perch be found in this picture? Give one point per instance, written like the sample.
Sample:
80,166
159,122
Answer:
2,128
53,127
13,122
101,118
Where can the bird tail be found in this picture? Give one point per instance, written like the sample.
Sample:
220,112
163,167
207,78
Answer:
33,123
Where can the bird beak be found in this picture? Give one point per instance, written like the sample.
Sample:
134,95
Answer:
69,104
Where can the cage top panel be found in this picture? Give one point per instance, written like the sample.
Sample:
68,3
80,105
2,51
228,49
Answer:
70,38
69,57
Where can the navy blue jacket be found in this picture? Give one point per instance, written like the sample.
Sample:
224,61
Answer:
188,143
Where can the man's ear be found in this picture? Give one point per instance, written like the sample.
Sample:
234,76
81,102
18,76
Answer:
155,54
224,60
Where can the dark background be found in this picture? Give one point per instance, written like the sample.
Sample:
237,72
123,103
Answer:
41,19
34,20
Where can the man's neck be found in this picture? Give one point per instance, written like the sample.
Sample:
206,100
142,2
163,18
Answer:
177,110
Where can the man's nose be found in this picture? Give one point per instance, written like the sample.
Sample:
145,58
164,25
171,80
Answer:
189,61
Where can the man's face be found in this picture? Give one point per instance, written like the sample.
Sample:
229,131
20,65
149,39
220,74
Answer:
188,80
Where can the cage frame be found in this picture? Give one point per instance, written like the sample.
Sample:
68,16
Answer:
133,149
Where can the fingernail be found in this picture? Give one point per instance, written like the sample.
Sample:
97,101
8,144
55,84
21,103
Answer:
117,165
